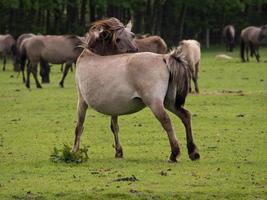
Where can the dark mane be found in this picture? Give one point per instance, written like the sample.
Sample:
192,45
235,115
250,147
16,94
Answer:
109,26
75,40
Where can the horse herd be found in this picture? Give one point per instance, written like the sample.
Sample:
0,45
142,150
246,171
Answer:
118,74
251,38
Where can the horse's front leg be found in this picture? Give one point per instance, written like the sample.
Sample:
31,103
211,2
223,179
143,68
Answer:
158,110
185,116
81,109
115,130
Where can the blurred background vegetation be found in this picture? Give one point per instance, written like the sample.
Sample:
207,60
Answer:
171,19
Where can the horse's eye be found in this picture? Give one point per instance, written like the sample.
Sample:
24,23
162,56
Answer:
118,40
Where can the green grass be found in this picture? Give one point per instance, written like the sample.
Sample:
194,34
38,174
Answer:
230,129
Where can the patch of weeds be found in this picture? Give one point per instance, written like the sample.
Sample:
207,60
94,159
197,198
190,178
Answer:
68,156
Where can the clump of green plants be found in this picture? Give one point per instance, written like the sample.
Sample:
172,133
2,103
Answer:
68,156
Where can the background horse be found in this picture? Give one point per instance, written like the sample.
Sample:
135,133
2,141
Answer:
126,83
229,37
251,39
8,47
153,44
50,49
191,50
147,43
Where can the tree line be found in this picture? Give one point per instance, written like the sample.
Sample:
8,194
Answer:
171,19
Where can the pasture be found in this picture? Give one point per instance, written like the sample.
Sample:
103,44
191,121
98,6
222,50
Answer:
229,125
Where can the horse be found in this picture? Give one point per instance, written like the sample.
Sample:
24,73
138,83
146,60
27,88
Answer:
191,50
8,47
48,49
119,84
148,43
153,44
251,39
229,37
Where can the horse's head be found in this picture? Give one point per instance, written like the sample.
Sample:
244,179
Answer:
15,57
109,36
263,34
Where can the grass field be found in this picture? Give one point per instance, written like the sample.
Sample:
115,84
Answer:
229,124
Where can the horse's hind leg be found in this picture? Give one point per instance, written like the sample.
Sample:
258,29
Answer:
66,70
29,66
257,55
34,73
247,52
195,78
81,109
158,110
115,130
4,63
185,116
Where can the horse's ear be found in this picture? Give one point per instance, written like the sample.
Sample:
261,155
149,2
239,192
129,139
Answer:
129,26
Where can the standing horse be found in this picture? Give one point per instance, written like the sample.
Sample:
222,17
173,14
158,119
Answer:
229,37
51,49
8,47
191,50
123,84
251,39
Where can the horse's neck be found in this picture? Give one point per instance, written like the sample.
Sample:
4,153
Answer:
103,49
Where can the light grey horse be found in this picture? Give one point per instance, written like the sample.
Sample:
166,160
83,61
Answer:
123,84
191,50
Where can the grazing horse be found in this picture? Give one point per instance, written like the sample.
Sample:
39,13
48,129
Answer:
126,83
229,37
8,47
191,50
251,39
50,49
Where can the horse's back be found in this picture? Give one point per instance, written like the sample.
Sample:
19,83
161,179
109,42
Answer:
250,34
153,44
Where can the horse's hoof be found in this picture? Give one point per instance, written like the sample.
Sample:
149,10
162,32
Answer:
172,160
61,85
194,156
39,86
174,155
27,86
119,154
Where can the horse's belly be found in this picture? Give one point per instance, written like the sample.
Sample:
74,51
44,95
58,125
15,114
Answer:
119,107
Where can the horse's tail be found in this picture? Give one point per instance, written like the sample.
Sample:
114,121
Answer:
178,87
242,50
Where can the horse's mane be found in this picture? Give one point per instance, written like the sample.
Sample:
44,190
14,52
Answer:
110,26
75,40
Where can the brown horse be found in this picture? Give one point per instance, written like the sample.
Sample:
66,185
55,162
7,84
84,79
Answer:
148,43
8,47
229,37
251,39
153,44
126,83
191,50
50,49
